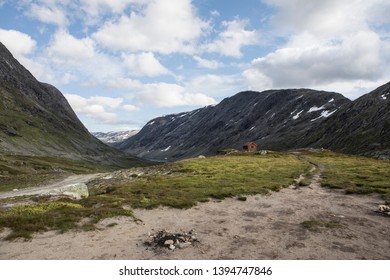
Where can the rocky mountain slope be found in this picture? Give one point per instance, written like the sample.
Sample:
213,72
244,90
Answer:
274,119
114,138
363,127
36,119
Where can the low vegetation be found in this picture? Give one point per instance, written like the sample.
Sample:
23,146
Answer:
60,215
17,171
354,174
196,180
181,184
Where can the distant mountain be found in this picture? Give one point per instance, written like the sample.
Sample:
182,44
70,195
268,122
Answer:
114,138
275,120
36,119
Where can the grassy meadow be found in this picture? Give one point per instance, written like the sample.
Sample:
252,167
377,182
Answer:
185,183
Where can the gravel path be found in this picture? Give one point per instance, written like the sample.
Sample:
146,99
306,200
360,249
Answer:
73,179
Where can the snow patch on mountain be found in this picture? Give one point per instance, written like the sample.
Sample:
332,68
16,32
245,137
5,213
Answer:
297,115
315,109
324,114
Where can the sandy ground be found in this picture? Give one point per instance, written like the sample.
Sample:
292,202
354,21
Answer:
263,227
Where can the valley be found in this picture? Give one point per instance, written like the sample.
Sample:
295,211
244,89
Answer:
312,191
296,205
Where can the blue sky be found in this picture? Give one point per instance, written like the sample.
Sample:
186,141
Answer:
121,63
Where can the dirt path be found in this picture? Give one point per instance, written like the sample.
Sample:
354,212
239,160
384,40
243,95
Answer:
73,179
303,223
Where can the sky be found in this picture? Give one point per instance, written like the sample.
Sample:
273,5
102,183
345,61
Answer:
121,63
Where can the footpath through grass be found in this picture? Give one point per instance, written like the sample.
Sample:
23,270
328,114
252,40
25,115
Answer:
355,174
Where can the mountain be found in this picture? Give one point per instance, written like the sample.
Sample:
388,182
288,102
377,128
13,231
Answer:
274,119
36,119
363,127
114,138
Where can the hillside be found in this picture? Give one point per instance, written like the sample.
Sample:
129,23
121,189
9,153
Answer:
275,119
36,120
363,127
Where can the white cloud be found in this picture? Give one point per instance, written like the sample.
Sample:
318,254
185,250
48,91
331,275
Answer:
232,39
326,19
172,95
217,85
123,83
98,107
51,14
164,26
18,43
80,59
206,63
328,43
65,48
22,46
356,57
144,64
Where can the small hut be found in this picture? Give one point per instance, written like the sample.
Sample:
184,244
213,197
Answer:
250,147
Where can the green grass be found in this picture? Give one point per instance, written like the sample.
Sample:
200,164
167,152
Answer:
62,216
197,180
354,174
183,184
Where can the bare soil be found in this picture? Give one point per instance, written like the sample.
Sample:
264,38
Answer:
295,223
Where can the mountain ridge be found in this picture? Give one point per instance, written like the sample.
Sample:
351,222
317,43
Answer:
276,119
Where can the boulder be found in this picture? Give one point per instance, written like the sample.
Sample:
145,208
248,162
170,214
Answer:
75,191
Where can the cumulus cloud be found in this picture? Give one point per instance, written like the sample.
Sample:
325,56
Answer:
172,95
123,83
22,46
65,48
328,43
80,59
356,57
151,28
324,18
232,39
99,108
144,64
217,85
18,43
49,13
206,63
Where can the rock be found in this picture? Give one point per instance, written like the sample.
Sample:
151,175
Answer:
183,245
75,191
169,242
166,239
384,209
